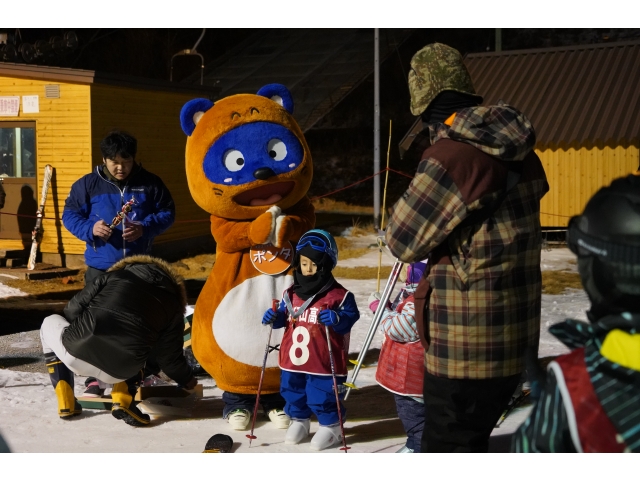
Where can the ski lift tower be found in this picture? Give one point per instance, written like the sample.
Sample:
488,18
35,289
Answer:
376,131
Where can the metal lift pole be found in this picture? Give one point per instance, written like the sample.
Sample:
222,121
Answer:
376,132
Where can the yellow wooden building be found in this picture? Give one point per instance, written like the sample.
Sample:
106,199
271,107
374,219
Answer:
584,102
58,116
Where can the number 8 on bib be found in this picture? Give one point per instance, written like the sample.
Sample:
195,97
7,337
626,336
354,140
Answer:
299,351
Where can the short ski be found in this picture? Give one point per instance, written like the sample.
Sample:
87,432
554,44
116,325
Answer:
36,234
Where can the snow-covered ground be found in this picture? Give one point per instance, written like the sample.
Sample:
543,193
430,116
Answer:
29,423
7,291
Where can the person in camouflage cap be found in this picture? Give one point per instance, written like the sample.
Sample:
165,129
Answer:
473,209
434,69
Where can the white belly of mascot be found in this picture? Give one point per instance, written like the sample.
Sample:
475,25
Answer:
242,338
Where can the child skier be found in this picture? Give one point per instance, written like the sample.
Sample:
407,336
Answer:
401,363
589,398
315,300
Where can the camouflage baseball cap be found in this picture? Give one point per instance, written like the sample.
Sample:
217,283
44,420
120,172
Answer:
434,69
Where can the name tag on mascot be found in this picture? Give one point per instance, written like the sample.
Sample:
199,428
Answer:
272,260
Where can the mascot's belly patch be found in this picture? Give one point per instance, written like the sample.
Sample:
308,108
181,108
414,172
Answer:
237,325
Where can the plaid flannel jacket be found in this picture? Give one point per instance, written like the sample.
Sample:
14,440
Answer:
485,298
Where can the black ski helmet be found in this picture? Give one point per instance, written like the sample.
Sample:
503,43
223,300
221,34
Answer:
606,239
321,242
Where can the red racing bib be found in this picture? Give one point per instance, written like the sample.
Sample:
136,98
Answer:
304,346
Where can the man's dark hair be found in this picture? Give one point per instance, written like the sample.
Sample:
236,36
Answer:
119,143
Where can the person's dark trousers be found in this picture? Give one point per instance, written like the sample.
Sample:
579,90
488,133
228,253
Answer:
411,414
460,414
233,401
91,274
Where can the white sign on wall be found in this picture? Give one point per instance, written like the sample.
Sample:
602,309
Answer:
30,104
9,106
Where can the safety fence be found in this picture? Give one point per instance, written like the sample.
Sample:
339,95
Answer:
317,197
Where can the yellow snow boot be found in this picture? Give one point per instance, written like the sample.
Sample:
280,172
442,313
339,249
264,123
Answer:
124,408
62,381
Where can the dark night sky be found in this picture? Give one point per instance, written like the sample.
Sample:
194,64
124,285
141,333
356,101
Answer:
147,52
144,52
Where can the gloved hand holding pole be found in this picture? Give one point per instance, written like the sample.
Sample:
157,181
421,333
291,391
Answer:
251,436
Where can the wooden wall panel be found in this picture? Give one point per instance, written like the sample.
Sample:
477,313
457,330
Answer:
63,139
153,117
575,174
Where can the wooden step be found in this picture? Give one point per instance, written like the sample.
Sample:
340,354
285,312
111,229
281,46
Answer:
42,271
15,262
14,254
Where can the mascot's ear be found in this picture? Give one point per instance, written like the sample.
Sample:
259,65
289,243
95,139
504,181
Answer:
279,94
192,112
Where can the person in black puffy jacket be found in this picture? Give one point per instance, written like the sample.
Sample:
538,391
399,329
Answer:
127,319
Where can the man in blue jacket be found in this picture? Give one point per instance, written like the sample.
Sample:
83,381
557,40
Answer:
92,207
118,210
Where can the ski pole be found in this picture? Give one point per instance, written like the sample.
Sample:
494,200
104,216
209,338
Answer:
251,436
335,384
377,318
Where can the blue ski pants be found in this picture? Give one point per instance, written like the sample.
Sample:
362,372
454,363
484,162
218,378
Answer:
308,394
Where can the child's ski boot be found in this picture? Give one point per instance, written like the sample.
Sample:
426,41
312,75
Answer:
297,432
326,437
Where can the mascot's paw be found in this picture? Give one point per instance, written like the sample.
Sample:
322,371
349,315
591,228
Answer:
262,228
284,230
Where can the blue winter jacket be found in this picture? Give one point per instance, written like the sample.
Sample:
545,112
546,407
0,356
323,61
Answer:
94,198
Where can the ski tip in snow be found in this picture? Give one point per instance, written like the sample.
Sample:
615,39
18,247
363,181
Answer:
219,443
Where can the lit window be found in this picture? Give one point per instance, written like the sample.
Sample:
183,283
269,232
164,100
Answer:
17,149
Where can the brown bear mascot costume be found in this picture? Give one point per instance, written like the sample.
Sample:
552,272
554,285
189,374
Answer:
249,166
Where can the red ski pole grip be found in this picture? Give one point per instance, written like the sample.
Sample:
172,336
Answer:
274,304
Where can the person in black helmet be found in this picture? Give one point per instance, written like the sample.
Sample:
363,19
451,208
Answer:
589,398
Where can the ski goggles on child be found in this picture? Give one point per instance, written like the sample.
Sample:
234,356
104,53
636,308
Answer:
314,242
319,243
